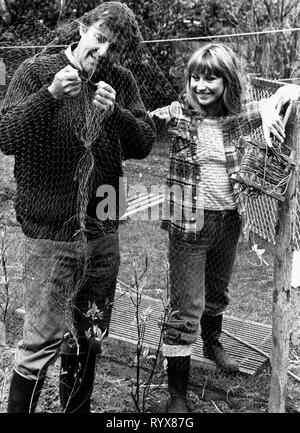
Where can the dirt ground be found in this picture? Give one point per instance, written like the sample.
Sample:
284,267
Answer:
210,391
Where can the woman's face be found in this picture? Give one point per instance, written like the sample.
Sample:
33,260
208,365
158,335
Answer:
208,90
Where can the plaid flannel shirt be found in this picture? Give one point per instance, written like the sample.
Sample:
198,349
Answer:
183,210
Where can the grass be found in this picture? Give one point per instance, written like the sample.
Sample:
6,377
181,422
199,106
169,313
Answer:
210,391
251,283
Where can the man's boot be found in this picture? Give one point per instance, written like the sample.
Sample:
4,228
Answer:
23,394
178,376
211,328
76,382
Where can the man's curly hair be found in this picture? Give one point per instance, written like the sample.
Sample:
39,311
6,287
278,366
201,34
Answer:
119,19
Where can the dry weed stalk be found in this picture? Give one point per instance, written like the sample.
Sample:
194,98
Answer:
5,284
143,389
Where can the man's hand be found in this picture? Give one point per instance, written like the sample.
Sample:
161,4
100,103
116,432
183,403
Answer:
105,97
272,122
65,83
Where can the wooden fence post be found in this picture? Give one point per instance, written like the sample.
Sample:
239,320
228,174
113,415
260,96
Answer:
282,278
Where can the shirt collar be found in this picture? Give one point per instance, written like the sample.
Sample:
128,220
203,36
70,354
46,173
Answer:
70,56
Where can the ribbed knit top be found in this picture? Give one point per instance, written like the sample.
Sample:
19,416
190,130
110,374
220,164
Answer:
216,186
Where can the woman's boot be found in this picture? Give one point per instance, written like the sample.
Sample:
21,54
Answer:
211,328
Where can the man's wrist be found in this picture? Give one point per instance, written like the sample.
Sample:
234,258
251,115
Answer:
52,92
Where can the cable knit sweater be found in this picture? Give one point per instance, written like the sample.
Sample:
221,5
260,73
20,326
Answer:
47,138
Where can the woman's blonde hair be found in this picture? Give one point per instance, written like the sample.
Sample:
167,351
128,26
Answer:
221,61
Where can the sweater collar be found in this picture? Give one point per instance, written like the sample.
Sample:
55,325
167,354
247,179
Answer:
70,56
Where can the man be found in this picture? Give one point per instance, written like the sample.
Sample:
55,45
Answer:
70,119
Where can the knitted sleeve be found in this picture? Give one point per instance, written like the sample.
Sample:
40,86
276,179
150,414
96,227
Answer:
26,109
135,127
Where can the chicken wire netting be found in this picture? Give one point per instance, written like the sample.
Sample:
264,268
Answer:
56,194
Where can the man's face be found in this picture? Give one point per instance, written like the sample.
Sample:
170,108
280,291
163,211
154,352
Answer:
94,43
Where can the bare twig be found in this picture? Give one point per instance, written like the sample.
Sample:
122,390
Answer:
218,410
5,275
145,389
204,387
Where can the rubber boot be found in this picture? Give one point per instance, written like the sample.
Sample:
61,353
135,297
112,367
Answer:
23,394
211,328
178,376
76,382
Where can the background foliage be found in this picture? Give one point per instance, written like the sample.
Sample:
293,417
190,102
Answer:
274,56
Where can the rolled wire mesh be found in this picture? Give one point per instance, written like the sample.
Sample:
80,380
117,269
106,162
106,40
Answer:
262,212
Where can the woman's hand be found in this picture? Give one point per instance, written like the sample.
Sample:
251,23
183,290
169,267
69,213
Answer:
272,122
271,108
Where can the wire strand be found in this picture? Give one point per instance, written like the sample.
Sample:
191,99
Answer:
195,38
